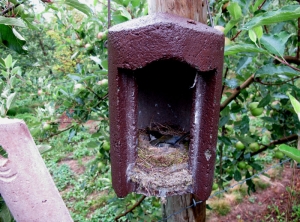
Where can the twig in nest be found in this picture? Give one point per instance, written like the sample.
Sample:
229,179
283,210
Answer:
131,209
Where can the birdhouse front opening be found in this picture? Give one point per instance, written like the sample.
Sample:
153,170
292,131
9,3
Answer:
165,92
165,78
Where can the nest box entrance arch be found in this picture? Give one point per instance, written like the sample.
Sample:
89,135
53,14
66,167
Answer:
165,75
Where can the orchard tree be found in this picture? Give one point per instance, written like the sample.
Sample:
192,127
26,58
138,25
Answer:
261,66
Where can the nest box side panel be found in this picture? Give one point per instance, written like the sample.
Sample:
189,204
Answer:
204,131
123,121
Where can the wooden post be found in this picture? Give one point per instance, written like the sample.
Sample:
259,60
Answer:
195,10
192,9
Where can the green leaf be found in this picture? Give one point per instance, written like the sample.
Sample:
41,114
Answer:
258,31
223,120
257,4
272,69
280,96
295,104
225,140
119,19
10,99
74,77
96,59
43,148
237,175
256,166
104,64
265,101
72,133
5,92
79,6
244,4
232,83
16,70
286,13
75,55
10,40
247,156
235,10
208,207
242,125
275,44
2,110
251,185
235,108
92,144
2,63
13,80
135,3
268,119
242,48
12,21
230,25
8,61
63,92
243,63
5,214
290,152
126,14
252,35
3,152
96,135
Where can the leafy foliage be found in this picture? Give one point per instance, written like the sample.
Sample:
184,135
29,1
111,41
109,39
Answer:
259,58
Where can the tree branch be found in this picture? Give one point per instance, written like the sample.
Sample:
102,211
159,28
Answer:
289,59
237,91
221,157
286,63
42,46
130,209
298,48
10,8
236,35
225,75
276,142
275,84
262,4
55,134
107,6
100,100
92,91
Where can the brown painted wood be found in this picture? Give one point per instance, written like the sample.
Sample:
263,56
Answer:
195,10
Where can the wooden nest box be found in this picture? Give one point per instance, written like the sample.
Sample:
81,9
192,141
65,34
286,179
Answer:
165,80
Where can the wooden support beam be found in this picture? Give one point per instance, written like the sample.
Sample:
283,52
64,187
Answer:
197,11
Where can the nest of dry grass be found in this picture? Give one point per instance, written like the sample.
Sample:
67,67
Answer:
161,170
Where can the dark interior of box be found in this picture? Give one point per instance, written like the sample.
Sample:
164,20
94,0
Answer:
165,90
